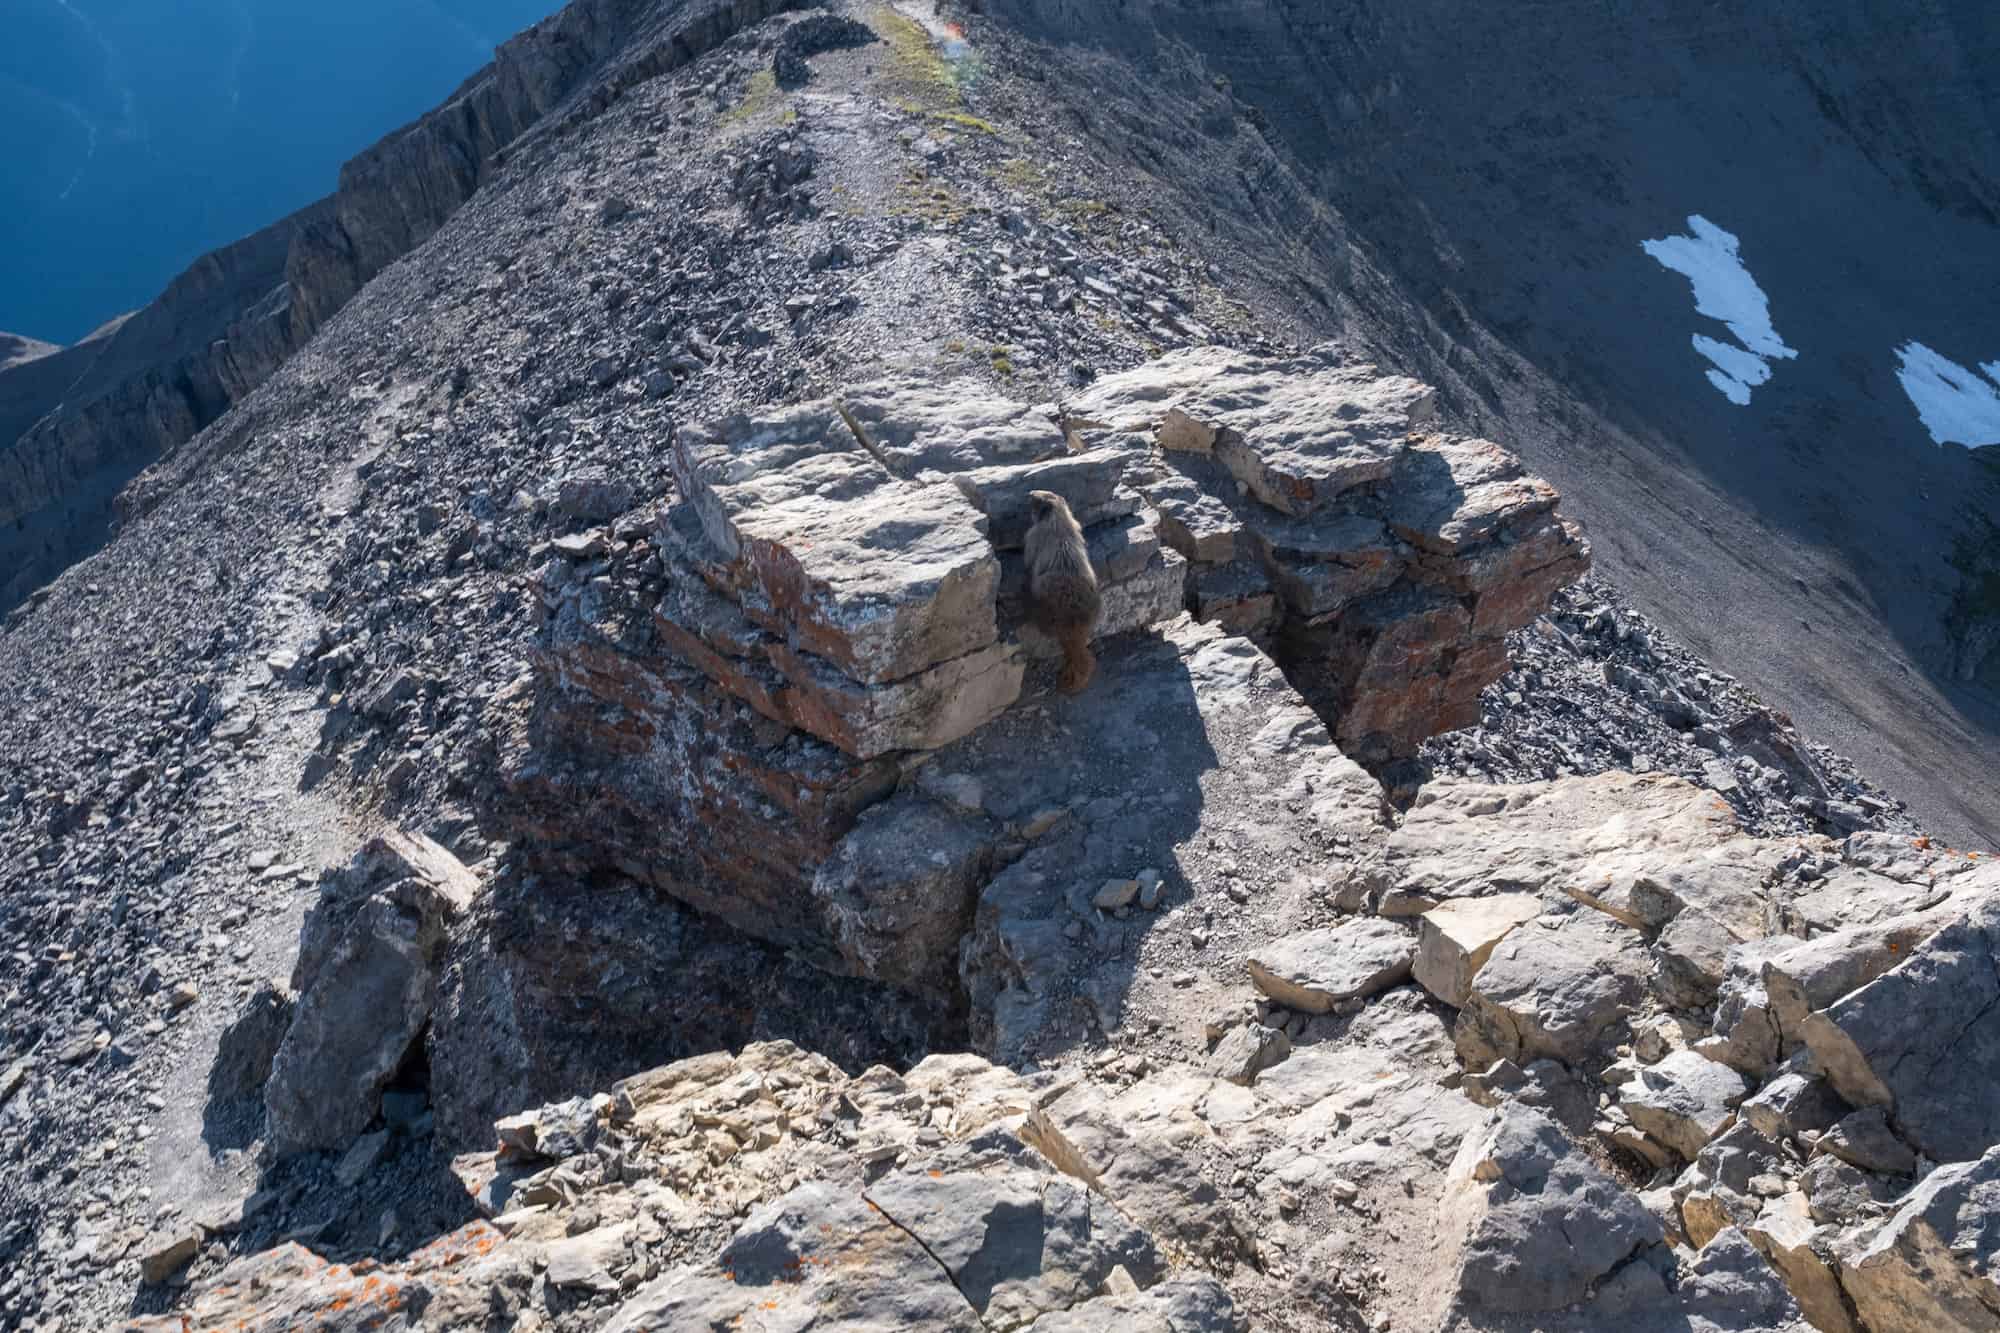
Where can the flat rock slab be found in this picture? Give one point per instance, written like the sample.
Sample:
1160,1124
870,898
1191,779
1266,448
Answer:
1316,970
1470,839
1295,432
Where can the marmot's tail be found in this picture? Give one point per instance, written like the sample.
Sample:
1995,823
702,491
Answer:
1079,664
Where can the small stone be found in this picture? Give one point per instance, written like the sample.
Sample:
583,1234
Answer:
166,1253
362,1158
1116,893
1151,886
1042,821
1864,1139
182,995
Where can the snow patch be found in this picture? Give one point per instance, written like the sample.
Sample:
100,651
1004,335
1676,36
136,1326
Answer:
1956,405
1708,258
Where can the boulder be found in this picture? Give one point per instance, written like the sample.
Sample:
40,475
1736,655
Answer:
1530,1224
1691,959
1317,969
1919,1040
1746,1036
165,1253
1455,939
248,1046
369,960
1247,1050
1715,1192
1728,1288
1791,1104
1560,989
1785,1234
1683,1101
1838,1192
900,888
1864,1139
832,552
1814,974
1932,1264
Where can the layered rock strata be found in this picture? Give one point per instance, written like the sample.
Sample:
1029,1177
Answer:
1389,561
837,593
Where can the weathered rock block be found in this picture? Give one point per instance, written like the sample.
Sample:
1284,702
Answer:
829,551
1529,1223
1715,1193
366,979
1562,993
900,888
1931,1265
1455,939
1683,1101
1318,969
1921,1040
1785,1234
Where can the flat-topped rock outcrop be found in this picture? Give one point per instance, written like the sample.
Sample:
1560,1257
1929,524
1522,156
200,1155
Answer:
835,593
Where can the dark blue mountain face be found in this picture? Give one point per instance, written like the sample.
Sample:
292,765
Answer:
140,134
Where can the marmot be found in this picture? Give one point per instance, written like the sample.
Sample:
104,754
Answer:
1062,588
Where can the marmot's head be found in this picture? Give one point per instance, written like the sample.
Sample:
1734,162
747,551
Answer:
1041,504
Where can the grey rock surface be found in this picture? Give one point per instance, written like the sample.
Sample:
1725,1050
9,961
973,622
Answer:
368,970
1318,969
1683,1101
1918,1040
1928,1265
1560,990
1537,1225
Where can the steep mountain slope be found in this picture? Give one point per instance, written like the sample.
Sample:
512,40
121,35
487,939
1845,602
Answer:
601,646
222,326
207,120
1469,194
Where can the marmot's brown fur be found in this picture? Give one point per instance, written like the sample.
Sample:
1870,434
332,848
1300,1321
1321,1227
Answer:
1062,588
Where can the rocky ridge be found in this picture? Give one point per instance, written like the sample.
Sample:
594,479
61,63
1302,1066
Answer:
1331,1062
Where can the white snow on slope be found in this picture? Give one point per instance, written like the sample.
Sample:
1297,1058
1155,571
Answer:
1956,405
1724,290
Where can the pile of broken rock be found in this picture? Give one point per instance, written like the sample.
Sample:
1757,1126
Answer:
1254,1048
1636,985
